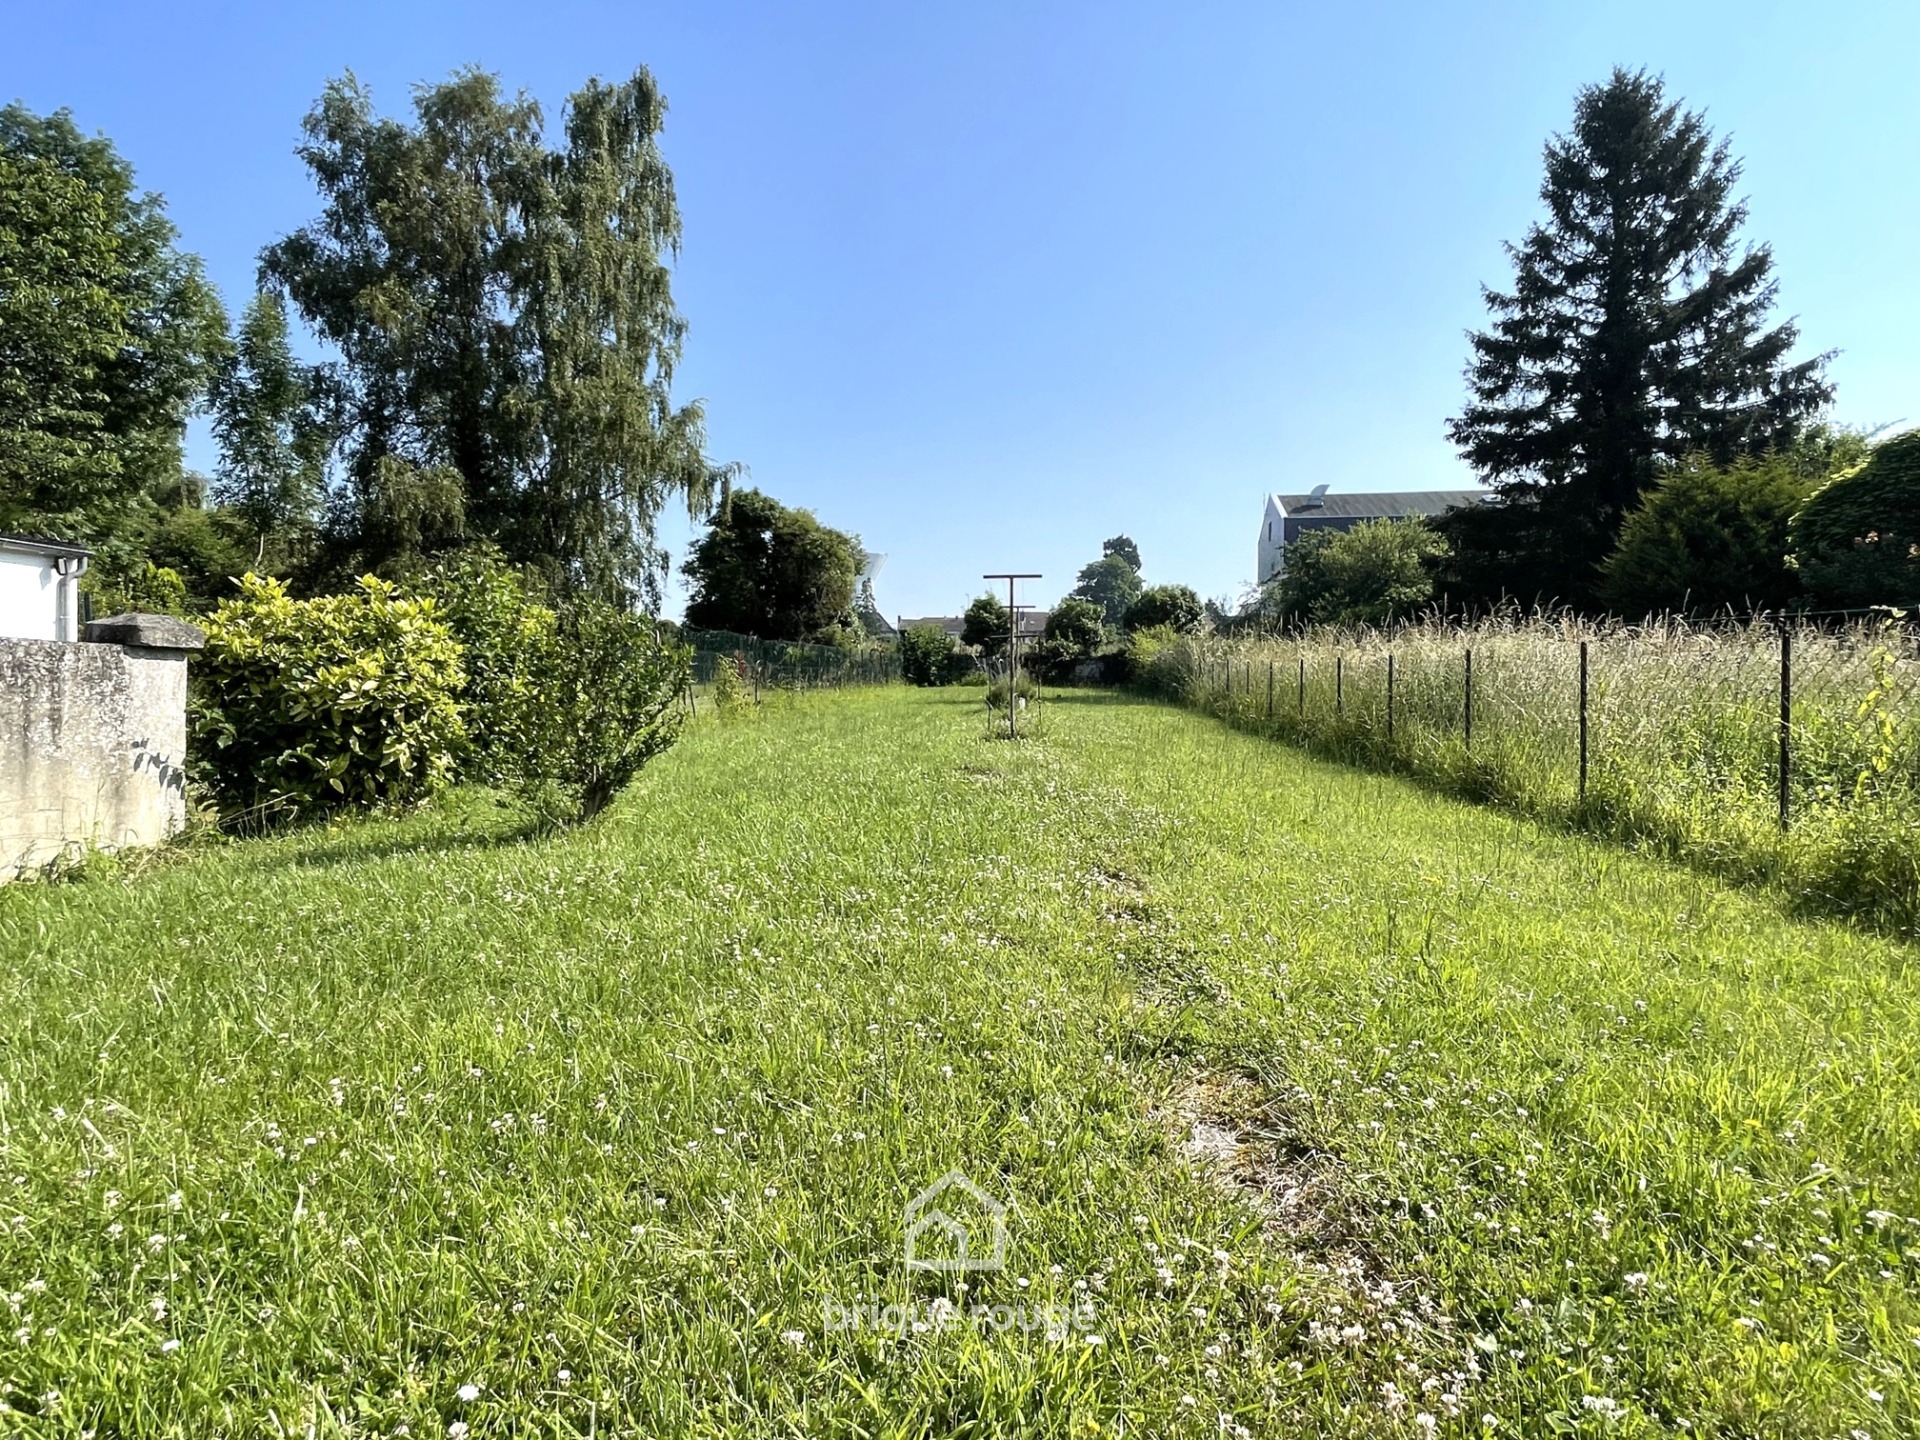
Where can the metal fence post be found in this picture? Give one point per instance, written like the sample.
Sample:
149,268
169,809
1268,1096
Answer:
1467,724
1339,690
1583,722
1303,682
1786,719
1389,697
1269,689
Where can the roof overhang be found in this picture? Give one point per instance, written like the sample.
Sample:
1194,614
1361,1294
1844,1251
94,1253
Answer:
48,549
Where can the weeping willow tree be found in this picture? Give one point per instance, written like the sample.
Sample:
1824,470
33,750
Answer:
503,331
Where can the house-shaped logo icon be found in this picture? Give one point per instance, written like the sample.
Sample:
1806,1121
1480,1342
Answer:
955,1225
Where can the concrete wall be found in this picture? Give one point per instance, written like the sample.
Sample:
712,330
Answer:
93,738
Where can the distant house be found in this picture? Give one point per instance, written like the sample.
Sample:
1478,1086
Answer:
40,588
1288,517
1033,624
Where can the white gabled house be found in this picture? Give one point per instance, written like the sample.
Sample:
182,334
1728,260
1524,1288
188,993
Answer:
40,588
1288,517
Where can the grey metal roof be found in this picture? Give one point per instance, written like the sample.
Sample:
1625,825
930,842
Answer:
1032,622
38,545
1379,504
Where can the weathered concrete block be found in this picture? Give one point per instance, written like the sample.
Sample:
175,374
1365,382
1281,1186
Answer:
93,741
149,632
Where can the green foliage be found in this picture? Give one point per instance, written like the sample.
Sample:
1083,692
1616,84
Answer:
1632,337
1077,624
273,436
1113,583
566,705
1157,662
1857,540
1026,688
1174,606
107,333
502,315
1614,1058
1123,547
1709,538
927,656
732,688
986,627
615,697
776,573
510,656
304,704
150,590
1380,570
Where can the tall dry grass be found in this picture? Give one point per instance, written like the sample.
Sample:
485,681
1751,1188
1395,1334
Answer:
1683,733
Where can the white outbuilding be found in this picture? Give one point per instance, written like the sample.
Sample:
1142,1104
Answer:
40,588
1288,517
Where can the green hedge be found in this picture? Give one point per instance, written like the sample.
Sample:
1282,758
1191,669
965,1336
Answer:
340,699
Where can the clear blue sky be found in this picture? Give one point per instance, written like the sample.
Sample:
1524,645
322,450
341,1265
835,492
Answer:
990,282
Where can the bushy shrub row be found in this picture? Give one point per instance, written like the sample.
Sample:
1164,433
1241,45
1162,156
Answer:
381,695
928,657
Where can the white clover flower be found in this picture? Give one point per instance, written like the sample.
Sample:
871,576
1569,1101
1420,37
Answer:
167,1347
794,1339
1637,1281
467,1394
458,1429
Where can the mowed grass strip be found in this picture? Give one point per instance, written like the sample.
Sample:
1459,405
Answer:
421,1124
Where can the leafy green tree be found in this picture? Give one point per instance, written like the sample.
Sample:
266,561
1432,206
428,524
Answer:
1709,538
926,656
1175,606
107,335
1123,547
1078,624
986,626
1113,583
1857,539
764,569
503,320
1375,572
273,437
1634,335
1075,629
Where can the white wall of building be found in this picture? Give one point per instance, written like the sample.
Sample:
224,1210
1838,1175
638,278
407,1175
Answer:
1273,547
31,602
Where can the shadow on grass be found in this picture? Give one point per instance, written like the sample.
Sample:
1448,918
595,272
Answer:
464,820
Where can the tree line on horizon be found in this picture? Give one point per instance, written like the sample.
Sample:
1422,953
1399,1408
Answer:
498,338
498,332
1651,440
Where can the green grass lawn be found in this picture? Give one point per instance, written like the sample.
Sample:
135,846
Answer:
1319,1105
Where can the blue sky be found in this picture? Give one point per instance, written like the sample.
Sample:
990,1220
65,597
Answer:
987,283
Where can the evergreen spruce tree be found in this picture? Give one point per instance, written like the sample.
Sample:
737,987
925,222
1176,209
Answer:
1635,334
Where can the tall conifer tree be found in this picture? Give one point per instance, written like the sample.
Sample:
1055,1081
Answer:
1635,334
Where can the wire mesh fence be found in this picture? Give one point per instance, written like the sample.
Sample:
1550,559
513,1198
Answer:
1755,744
763,665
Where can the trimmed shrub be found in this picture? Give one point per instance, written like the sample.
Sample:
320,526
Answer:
508,650
306,704
1174,606
1857,539
927,656
1707,538
1157,660
614,693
